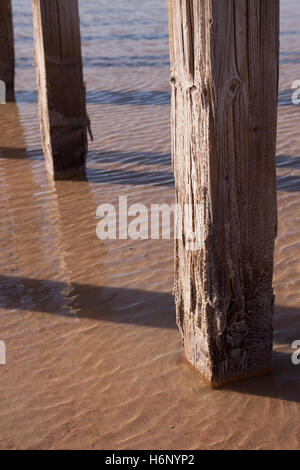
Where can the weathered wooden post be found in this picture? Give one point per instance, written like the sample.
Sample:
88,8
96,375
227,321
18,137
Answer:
7,55
61,87
224,76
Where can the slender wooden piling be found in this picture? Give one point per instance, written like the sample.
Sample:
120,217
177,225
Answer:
224,77
7,55
61,88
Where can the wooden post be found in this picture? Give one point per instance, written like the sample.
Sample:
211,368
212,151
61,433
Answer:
224,76
61,88
7,55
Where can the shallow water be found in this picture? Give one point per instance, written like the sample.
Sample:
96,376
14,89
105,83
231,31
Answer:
93,352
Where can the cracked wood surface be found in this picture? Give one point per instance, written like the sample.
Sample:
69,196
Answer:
224,77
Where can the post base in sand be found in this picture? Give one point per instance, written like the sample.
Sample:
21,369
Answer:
268,371
72,173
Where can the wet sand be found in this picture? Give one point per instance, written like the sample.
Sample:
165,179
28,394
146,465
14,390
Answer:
93,352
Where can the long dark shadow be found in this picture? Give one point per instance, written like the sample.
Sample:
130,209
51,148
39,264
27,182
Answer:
12,153
288,183
103,303
111,97
135,97
117,305
283,385
127,177
129,97
140,158
286,161
285,97
140,308
105,156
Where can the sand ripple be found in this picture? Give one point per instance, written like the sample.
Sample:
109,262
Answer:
92,347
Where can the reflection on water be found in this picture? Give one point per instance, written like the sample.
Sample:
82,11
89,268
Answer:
93,353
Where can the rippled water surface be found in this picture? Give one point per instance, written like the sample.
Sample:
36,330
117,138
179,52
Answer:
93,353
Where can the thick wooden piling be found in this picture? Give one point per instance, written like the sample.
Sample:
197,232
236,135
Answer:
61,88
224,77
7,55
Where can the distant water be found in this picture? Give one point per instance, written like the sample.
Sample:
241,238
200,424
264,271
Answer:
93,353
